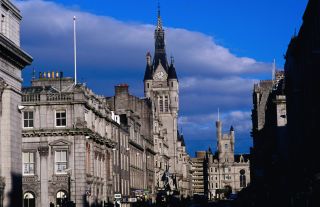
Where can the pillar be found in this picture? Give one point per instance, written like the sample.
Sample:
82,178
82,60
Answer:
43,151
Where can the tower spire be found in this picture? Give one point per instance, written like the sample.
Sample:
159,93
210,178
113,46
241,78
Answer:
159,23
160,55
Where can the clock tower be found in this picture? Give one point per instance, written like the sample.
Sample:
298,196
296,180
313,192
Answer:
162,87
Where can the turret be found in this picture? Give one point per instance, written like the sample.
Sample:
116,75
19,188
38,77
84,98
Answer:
148,76
173,87
232,137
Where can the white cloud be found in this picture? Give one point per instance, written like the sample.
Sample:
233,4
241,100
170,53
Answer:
110,51
47,30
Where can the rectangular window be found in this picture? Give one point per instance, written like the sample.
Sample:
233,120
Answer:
28,163
28,119
60,161
166,104
61,118
161,103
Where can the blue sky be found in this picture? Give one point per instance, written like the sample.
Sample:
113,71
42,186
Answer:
221,49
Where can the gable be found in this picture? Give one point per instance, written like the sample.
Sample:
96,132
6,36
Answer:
60,142
160,73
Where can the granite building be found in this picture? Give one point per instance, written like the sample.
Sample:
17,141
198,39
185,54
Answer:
217,175
12,60
74,147
136,113
302,85
198,173
161,86
270,150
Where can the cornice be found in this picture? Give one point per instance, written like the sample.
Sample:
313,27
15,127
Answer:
13,53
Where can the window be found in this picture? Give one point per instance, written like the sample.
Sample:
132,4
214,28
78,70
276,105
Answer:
28,119
227,177
166,104
161,103
147,85
88,159
29,199
61,198
60,161
226,146
61,118
242,178
28,163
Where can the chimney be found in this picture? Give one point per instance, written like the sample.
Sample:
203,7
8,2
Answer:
121,89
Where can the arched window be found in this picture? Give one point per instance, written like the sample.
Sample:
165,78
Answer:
61,198
29,200
243,183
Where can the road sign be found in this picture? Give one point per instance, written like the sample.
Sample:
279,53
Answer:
117,195
132,200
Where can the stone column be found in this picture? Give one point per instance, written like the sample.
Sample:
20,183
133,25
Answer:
2,180
43,151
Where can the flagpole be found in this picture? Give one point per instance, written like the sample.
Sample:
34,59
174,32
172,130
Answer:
75,49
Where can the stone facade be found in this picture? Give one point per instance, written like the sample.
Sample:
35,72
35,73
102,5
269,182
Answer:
73,148
12,61
198,167
269,119
161,86
136,113
222,172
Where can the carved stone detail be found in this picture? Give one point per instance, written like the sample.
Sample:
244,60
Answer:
3,85
43,150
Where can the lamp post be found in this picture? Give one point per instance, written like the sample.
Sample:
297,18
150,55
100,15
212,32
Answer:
69,171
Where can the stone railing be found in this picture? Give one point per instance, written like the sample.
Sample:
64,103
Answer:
60,97
30,97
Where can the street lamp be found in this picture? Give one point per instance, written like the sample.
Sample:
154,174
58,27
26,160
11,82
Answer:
69,171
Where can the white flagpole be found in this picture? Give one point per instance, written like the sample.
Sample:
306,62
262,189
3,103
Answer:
274,69
75,49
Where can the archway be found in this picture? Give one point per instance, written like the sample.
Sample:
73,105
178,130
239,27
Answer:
227,191
61,198
29,199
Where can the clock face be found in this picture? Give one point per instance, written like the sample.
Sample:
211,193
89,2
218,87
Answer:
159,75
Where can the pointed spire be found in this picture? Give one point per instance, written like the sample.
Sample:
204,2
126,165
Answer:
218,114
172,60
159,24
160,49
172,74
148,72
